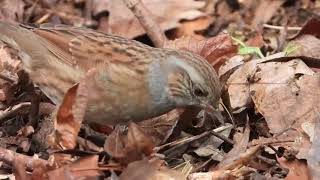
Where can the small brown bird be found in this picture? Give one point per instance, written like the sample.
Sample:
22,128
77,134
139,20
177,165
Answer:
133,81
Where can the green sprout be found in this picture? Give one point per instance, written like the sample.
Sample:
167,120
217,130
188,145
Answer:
245,50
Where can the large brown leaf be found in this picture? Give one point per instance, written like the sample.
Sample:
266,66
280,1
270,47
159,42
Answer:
166,13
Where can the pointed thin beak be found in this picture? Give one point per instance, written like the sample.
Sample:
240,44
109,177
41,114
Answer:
214,113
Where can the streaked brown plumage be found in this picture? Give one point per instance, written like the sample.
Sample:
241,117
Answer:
132,81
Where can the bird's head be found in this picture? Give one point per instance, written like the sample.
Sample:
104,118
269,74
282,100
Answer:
192,81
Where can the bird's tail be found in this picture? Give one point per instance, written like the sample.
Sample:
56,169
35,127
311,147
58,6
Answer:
22,39
9,33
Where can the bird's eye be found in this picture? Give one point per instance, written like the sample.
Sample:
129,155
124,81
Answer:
200,93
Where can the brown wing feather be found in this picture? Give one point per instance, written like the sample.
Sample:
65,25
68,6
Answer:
59,56
84,48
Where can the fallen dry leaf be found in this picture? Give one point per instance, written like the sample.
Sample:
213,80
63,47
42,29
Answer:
66,126
166,13
210,146
238,148
297,169
128,147
231,63
235,169
310,28
12,10
160,128
9,61
219,49
9,66
145,170
256,40
313,156
265,11
82,168
283,100
215,50
289,103
307,46
70,114
20,172
193,27
241,81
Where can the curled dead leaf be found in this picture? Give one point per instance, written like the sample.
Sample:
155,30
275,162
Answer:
129,147
168,14
160,128
70,114
215,50
66,126
310,28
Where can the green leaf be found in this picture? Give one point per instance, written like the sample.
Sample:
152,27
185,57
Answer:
291,48
245,50
251,50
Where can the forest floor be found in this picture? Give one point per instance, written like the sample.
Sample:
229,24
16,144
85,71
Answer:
266,53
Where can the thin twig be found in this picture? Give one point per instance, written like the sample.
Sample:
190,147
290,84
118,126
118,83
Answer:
145,18
281,27
12,110
193,138
198,168
7,79
24,108
229,114
222,137
44,18
270,141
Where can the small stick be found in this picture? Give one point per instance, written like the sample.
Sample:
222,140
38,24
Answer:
150,26
193,138
271,141
43,18
10,157
12,110
229,114
281,27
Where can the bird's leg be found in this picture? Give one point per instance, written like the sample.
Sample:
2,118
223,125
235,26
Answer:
26,83
33,116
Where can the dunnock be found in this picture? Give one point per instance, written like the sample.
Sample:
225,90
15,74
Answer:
133,81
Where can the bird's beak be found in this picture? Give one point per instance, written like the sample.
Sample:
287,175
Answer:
214,113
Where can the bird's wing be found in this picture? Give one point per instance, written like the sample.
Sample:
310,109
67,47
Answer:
84,48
